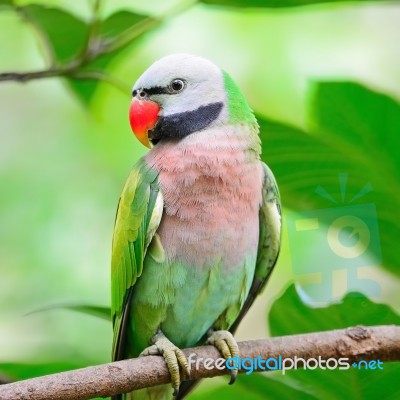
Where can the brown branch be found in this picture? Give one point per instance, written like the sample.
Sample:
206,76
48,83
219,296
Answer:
359,343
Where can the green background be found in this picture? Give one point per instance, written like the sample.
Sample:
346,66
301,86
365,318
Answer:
324,80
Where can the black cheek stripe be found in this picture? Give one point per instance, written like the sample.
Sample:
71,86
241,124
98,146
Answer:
183,124
157,90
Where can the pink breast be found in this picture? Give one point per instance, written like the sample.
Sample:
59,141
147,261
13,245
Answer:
212,196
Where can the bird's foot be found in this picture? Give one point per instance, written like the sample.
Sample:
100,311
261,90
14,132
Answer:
173,356
227,346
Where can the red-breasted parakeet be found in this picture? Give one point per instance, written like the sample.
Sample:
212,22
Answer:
197,231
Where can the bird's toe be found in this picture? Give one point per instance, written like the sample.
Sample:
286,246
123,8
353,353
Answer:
227,346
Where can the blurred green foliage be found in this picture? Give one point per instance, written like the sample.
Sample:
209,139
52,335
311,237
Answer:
324,81
355,130
273,3
288,315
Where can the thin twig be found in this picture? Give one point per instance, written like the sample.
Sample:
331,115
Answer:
359,343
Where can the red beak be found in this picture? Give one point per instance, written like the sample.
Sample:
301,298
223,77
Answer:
143,115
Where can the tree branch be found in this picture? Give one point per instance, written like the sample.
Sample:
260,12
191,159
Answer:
359,343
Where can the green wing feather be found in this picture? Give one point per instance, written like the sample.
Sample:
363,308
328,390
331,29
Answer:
138,216
269,240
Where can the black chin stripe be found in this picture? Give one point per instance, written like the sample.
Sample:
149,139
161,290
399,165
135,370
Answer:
183,124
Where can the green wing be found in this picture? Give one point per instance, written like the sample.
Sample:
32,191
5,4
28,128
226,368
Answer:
138,216
268,243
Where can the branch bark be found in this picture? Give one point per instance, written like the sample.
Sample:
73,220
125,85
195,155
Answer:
358,343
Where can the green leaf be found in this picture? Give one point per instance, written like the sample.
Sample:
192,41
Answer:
65,34
271,389
84,88
4,4
110,29
290,316
95,311
366,120
347,164
278,3
252,387
118,23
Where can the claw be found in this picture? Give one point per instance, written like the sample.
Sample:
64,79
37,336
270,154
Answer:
227,346
173,356
234,374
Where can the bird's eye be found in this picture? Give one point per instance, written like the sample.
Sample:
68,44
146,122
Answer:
177,85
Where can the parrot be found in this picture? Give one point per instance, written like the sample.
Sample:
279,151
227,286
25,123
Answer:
198,225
